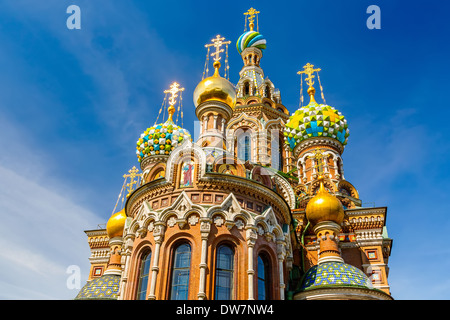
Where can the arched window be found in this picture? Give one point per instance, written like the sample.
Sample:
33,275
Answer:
267,91
243,146
224,273
144,272
263,278
180,272
246,88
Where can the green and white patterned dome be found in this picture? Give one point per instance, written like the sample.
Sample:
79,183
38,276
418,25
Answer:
106,287
160,139
315,120
335,274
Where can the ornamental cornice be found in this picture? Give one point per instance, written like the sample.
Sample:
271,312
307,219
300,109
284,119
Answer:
261,107
152,159
248,187
318,141
342,293
96,233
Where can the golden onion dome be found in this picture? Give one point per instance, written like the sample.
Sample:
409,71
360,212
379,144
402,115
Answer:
324,207
115,224
215,88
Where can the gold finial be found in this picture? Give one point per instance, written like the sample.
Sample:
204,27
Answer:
133,173
309,70
217,42
174,89
251,17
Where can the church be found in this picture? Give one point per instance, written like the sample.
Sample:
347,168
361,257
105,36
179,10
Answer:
257,208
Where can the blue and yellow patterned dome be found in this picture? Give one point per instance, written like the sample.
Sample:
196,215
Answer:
160,139
250,39
316,120
105,287
335,274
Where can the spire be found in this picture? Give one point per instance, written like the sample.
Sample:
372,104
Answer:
326,213
309,70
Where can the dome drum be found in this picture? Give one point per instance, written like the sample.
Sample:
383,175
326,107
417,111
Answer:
216,107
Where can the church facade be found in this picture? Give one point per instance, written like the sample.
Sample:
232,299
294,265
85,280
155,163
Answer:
257,208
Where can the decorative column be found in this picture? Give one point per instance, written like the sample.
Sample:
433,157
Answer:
281,248
126,254
158,235
251,240
205,228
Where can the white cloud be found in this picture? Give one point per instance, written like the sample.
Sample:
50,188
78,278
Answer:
42,234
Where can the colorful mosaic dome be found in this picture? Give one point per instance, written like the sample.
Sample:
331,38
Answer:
316,120
332,274
250,39
160,139
105,287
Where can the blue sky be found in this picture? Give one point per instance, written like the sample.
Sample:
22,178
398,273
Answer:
73,103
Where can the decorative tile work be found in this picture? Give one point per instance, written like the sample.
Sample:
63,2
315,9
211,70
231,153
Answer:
105,287
316,120
335,274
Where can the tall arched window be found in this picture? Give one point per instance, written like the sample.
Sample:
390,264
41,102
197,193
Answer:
224,273
267,91
144,271
246,88
244,146
263,278
180,272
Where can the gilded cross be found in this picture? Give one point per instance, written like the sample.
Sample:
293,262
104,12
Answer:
319,160
217,43
309,70
174,89
251,16
132,174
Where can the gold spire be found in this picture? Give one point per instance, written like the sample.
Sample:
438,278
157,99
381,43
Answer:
174,89
251,17
217,42
309,71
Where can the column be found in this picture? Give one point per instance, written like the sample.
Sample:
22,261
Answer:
205,227
126,253
158,235
251,240
281,248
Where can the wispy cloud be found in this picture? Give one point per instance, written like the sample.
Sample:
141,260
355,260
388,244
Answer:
41,236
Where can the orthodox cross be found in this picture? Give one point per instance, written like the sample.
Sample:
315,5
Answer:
309,70
217,43
132,174
174,89
319,160
251,17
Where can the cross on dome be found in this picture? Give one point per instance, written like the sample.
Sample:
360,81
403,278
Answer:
309,70
217,43
174,89
251,17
